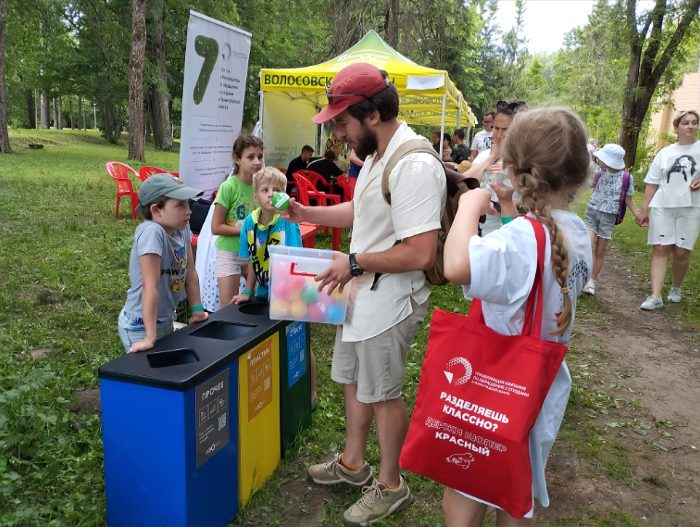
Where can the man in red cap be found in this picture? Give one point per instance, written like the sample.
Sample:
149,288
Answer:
389,295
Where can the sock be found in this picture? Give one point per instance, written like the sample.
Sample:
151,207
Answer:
352,468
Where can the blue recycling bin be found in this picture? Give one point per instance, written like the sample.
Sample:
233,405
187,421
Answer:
170,425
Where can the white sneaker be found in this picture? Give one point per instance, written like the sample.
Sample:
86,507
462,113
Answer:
651,303
674,295
589,288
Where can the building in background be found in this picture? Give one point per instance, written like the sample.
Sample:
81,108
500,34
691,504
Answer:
685,97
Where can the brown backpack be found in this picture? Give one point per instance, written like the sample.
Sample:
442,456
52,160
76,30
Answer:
435,275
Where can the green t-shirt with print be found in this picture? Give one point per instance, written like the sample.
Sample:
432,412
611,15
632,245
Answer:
237,198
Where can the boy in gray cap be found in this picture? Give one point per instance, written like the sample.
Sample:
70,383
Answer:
161,266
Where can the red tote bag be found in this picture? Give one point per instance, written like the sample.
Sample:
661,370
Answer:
478,398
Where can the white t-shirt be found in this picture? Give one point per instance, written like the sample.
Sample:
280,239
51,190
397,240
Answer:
502,272
417,186
482,141
673,169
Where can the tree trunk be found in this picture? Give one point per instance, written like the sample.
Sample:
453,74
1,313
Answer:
81,113
4,136
58,112
31,108
136,64
44,108
647,66
159,99
110,127
391,23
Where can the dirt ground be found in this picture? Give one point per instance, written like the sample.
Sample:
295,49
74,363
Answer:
657,365
652,368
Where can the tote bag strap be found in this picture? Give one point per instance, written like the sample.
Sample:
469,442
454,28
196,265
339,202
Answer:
532,324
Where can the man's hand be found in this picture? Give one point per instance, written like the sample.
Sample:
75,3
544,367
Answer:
295,212
336,275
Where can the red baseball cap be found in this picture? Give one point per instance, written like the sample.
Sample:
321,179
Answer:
352,84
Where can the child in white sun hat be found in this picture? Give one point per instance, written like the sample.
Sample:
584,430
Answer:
613,189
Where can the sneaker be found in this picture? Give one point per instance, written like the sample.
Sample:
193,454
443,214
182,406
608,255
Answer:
378,502
651,303
589,288
332,472
674,295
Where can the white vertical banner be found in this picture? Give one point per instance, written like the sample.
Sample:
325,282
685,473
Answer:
216,68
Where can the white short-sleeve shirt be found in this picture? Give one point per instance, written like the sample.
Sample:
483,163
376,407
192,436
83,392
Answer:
502,272
673,169
418,188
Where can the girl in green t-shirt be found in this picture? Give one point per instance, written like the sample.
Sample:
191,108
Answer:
234,201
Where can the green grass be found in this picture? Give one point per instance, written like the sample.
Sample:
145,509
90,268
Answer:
65,260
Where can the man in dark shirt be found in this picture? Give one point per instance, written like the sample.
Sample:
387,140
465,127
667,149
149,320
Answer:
326,166
299,163
460,152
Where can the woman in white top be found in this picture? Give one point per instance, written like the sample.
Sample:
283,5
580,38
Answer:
671,208
490,159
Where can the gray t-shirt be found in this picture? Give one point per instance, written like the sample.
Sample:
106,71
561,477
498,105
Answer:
151,238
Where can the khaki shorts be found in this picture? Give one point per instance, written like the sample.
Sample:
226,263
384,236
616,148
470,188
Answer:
377,365
674,226
229,264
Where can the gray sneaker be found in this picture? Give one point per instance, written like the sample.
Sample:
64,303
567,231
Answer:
332,472
674,295
651,303
378,502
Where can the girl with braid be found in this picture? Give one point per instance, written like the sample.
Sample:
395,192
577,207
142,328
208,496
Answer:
547,160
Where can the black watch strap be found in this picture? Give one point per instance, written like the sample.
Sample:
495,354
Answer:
355,269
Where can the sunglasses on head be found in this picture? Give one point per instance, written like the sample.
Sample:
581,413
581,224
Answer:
512,106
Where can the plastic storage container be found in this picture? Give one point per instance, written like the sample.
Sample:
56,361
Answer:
294,293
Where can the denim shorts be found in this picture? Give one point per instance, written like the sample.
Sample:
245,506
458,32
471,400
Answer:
132,330
601,223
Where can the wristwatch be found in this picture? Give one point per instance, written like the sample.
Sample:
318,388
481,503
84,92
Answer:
355,269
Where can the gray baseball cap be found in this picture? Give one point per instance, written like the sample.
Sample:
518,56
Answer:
166,185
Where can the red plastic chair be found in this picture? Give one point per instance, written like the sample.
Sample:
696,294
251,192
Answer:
120,173
148,171
317,180
307,193
348,185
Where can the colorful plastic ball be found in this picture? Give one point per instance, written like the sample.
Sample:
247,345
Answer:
296,282
317,312
324,299
309,294
298,309
335,314
279,309
280,288
337,294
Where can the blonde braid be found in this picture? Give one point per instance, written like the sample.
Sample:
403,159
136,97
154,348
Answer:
533,188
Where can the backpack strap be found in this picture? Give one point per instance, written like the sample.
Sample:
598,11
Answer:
598,174
412,146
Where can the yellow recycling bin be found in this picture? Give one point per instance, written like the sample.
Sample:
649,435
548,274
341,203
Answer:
259,415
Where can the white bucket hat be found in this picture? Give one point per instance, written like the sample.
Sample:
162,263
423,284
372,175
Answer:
612,155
